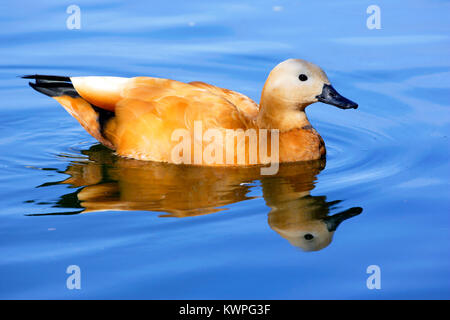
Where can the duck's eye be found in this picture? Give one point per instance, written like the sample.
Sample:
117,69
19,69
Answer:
303,77
308,236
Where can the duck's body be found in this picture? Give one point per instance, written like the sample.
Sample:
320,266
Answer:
137,117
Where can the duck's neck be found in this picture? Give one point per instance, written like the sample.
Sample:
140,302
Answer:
282,115
298,141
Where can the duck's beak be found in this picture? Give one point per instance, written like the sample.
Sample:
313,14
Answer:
329,95
334,221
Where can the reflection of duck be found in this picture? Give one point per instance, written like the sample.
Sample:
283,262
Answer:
138,117
109,182
114,183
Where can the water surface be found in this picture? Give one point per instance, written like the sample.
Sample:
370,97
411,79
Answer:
146,230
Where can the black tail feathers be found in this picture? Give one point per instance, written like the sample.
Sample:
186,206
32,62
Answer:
45,78
52,86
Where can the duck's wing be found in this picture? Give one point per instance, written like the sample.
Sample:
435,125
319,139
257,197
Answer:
152,110
106,92
103,92
148,111
138,116
245,105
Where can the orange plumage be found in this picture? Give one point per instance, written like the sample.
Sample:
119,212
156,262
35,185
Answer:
137,117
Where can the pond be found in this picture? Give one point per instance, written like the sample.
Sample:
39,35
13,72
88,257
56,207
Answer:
147,230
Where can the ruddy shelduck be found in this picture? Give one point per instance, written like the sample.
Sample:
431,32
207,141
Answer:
137,117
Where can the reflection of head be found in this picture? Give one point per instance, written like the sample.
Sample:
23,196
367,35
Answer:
309,236
297,216
306,223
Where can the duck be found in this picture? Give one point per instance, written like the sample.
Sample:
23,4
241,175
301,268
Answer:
138,117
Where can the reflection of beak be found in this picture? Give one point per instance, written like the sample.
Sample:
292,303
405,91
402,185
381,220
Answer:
330,96
334,221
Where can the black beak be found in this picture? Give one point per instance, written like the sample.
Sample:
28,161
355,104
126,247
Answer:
330,96
334,221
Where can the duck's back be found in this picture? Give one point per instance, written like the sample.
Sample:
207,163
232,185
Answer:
246,106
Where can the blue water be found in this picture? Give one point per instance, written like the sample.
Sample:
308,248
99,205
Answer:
143,230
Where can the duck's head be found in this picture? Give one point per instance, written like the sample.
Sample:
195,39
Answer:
297,83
